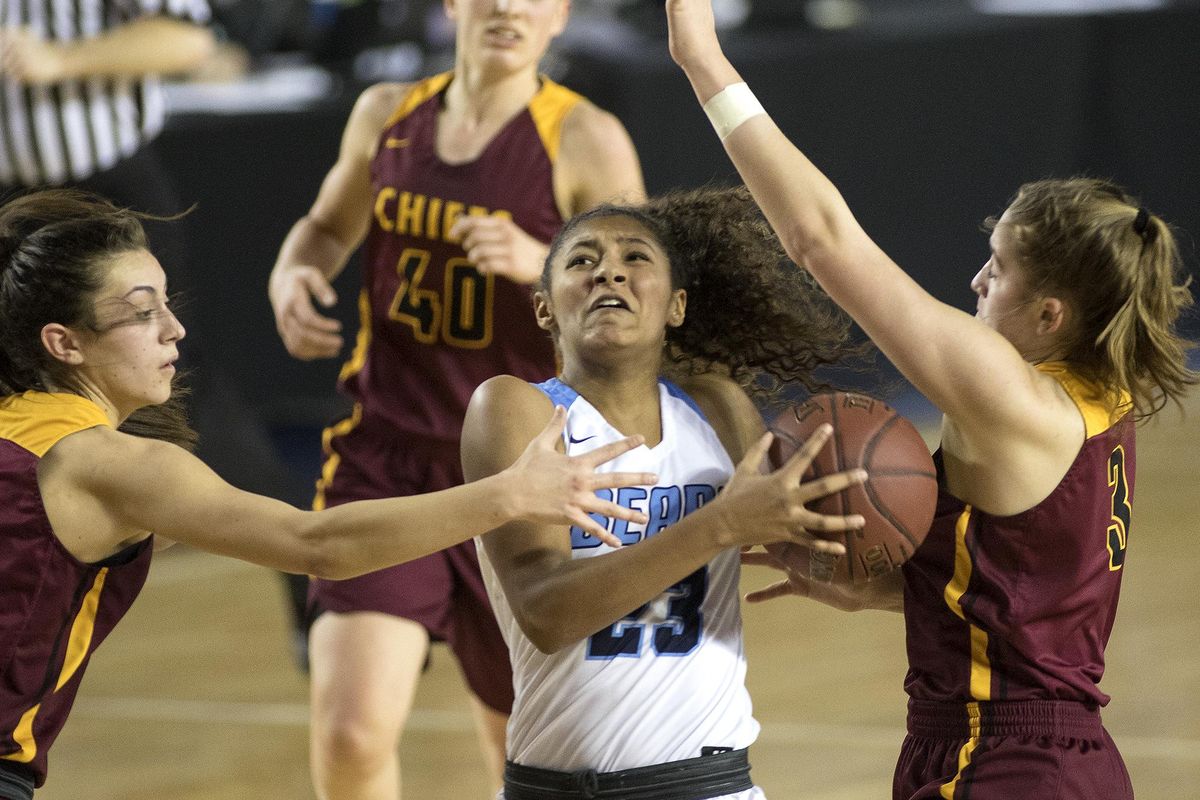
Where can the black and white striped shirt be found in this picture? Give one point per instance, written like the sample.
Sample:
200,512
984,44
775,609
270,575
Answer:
74,129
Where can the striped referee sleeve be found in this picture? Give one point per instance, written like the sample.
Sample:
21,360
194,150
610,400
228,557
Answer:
74,129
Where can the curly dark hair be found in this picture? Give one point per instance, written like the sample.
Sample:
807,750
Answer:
751,312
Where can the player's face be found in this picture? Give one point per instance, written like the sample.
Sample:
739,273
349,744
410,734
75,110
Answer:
511,34
610,286
1005,301
129,354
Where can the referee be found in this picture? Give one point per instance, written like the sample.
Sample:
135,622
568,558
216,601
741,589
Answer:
80,98
80,105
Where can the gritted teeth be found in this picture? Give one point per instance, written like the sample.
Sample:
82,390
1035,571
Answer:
611,301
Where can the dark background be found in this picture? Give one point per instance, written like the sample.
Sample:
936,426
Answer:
927,123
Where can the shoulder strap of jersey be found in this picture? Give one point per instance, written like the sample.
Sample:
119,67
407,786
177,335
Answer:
417,94
1099,408
38,420
549,109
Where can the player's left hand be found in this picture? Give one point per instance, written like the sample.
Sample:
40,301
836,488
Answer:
692,32
497,246
28,59
885,594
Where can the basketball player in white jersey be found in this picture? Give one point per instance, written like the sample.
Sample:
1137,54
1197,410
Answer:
628,663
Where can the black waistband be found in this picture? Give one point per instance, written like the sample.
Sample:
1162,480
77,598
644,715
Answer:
691,779
15,783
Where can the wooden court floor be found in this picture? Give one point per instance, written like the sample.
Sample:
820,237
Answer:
194,697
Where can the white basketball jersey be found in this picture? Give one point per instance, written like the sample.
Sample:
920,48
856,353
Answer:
667,682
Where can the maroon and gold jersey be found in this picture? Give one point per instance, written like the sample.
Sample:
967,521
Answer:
1021,607
54,609
433,328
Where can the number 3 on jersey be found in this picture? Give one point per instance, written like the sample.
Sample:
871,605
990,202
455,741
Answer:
460,314
1122,513
677,635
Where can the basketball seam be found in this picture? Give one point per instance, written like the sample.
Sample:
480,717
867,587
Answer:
880,506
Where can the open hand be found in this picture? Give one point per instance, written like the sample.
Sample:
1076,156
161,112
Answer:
756,508
498,246
559,489
306,334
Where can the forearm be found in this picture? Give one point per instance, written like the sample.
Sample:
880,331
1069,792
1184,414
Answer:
359,537
153,45
311,244
559,601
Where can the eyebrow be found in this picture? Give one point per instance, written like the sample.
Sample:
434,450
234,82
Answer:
594,243
136,289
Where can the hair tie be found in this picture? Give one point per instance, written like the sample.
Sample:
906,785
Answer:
1141,224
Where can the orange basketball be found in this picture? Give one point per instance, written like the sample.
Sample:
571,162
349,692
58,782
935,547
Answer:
897,500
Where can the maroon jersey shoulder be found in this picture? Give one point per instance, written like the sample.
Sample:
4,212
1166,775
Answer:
54,610
1021,607
434,328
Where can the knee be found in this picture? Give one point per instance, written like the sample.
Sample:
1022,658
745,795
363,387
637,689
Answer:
363,743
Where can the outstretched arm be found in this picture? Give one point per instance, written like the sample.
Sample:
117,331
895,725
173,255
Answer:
557,600
150,45
104,488
937,347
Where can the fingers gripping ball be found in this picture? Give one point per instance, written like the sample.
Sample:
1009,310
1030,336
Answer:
897,499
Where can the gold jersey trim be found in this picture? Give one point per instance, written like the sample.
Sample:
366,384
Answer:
1099,408
78,644
981,665
39,420
549,109
418,94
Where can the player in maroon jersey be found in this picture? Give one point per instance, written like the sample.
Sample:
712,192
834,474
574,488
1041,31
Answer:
1010,601
456,183
87,351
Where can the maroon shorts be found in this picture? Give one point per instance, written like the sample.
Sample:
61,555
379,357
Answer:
444,592
1034,750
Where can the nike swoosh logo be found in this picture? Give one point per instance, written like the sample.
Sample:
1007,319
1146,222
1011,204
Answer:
392,143
573,440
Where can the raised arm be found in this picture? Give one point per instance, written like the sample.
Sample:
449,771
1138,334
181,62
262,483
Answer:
937,347
322,241
150,45
104,488
557,600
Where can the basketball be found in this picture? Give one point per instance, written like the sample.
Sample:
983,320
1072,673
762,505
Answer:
897,500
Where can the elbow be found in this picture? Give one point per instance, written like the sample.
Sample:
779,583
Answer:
320,554
544,629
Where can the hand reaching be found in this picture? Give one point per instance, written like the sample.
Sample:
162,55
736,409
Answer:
306,334
28,59
757,508
497,246
559,489
882,593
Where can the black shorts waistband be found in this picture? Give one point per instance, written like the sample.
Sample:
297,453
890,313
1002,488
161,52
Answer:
691,779
15,783
1054,718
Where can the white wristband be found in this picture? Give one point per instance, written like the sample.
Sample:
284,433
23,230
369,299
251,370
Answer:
730,107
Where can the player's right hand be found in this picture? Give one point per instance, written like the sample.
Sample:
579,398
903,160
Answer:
306,333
